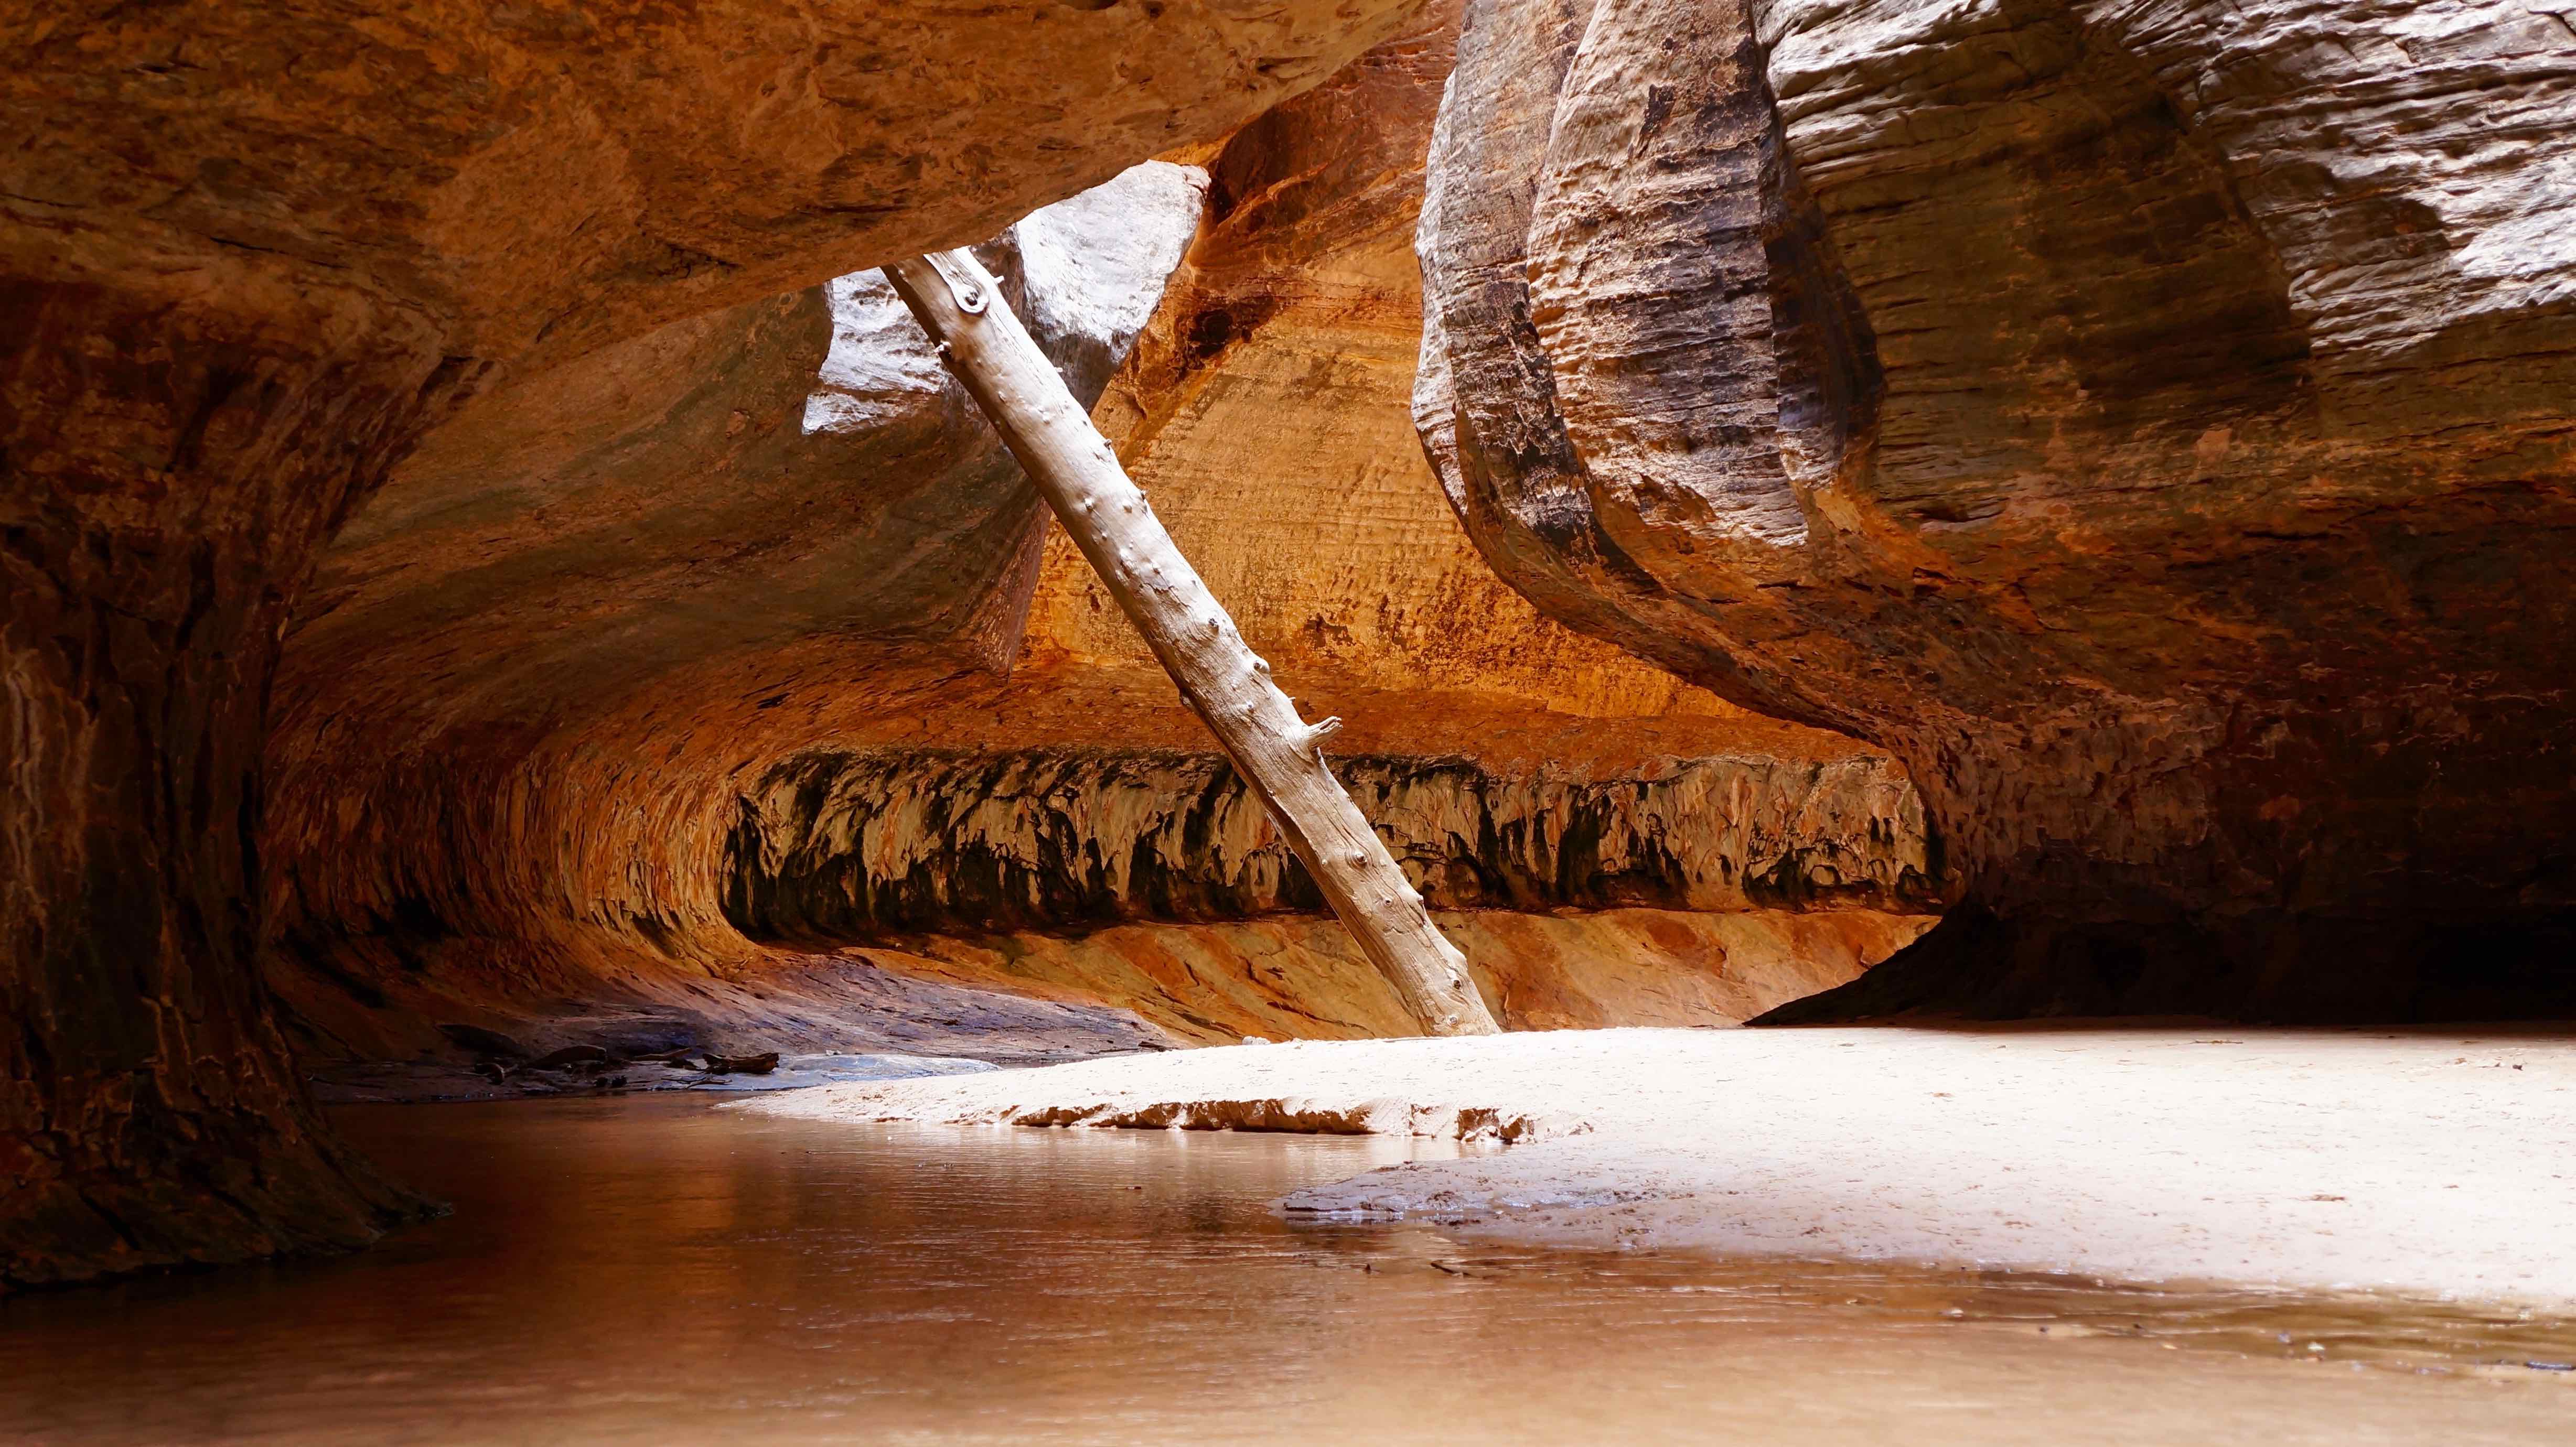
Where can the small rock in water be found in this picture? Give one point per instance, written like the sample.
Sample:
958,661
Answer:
760,1064
569,1056
484,1042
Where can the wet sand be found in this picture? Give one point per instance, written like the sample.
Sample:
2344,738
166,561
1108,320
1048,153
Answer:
2437,1164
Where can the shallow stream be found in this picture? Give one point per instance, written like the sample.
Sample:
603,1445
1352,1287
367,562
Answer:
654,1269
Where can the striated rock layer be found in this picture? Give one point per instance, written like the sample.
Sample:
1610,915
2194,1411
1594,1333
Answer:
834,846
250,258
2150,422
1302,976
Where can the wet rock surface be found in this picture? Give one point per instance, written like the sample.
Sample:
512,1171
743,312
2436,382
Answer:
2415,1162
2150,423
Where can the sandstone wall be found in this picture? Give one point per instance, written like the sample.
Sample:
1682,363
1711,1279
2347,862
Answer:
251,256
1300,977
671,706
477,547
2151,422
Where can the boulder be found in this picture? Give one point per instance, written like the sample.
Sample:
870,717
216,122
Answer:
2150,423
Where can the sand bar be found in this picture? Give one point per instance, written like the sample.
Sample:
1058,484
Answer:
2440,1163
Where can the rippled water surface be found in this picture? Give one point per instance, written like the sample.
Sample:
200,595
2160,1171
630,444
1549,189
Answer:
652,1269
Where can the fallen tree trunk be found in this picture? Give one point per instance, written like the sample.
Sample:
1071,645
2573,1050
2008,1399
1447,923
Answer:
1229,686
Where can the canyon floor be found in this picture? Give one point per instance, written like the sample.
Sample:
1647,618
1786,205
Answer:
2419,1162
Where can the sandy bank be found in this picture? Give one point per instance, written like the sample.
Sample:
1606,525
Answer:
2419,1162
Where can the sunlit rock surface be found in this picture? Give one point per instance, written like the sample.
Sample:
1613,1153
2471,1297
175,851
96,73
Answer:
1299,976
2150,422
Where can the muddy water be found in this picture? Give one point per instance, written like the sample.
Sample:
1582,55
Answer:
650,1269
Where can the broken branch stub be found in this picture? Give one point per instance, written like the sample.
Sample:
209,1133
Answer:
1229,686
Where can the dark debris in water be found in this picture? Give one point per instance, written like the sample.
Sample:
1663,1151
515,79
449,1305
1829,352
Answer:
592,1070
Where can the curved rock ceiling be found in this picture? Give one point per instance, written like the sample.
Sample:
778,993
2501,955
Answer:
716,684
252,256
480,551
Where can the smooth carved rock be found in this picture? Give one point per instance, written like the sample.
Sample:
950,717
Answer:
532,181
795,469
250,258
2151,422
512,727
561,672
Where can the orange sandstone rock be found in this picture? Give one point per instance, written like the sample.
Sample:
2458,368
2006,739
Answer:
250,257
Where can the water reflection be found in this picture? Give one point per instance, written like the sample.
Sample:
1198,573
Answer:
646,1265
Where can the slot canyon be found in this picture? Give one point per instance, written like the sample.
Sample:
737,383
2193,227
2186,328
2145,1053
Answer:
558,762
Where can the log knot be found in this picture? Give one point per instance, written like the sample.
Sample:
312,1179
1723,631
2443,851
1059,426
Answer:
966,286
1310,743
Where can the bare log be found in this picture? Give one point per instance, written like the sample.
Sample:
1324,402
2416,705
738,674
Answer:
1228,685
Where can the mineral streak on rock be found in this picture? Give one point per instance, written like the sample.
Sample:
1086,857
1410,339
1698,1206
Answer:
834,846
249,258
2152,423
